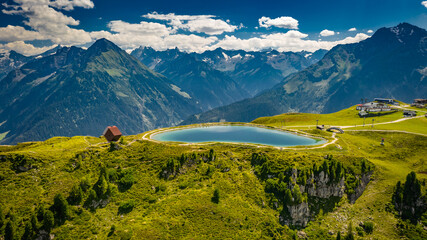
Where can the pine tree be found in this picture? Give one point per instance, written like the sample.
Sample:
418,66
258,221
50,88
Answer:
350,235
76,195
60,207
2,220
339,235
216,196
34,222
28,232
10,231
297,194
49,220
288,197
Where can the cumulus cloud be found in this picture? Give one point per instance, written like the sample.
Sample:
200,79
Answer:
18,33
160,37
370,31
290,41
47,20
194,23
24,48
143,28
44,17
424,3
326,33
280,22
353,29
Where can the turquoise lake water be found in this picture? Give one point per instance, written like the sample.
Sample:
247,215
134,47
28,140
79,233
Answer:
238,134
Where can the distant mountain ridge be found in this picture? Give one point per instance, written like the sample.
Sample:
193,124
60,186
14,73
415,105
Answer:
80,92
392,64
10,60
254,72
209,87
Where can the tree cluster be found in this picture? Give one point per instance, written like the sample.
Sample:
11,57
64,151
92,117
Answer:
408,199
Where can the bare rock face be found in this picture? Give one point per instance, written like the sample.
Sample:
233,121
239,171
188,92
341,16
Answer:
321,187
299,215
364,180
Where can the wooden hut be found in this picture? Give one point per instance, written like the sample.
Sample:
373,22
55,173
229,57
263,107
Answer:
112,133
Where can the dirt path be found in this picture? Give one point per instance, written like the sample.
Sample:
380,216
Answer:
396,131
394,121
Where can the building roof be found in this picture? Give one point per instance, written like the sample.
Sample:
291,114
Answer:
114,130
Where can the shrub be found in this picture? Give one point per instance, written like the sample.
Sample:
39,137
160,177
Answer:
216,196
360,231
126,180
127,206
84,184
76,195
112,230
91,200
368,227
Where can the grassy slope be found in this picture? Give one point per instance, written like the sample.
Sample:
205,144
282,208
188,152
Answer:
184,208
347,116
417,125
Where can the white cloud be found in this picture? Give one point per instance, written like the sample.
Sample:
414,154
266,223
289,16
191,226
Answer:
194,23
370,31
158,36
70,4
353,29
43,17
424,3
47,20
290,41
143,28
280,22
18,33
326,33
24,48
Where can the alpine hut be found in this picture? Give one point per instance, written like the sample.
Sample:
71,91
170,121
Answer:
112,133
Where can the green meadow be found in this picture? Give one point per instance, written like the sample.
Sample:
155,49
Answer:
142,189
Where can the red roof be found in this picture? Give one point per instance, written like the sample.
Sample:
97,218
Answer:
112,133
115,130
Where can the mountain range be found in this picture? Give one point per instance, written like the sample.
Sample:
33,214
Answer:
80,92
390,64
71,91
253,72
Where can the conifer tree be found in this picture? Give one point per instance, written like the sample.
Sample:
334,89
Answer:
10,231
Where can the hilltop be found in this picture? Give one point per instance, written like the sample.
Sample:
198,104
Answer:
142,188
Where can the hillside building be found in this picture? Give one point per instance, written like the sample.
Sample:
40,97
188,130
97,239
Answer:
373,107
385,100
112,133
408,113
419,103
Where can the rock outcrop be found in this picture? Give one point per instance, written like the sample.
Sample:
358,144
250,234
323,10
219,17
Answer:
319,186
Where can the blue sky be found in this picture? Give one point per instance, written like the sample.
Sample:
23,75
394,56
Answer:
33,26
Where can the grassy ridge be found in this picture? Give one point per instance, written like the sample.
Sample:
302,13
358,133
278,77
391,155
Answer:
345,117
182,206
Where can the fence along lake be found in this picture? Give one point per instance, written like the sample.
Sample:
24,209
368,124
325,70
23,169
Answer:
236,134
